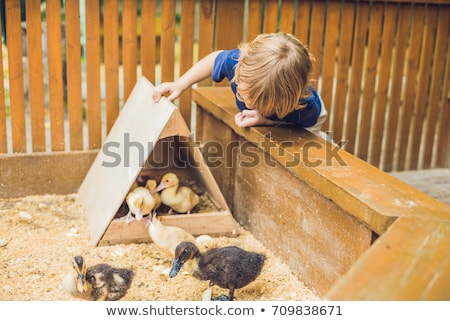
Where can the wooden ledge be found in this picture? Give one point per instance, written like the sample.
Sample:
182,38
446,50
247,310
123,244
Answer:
368,193
410,260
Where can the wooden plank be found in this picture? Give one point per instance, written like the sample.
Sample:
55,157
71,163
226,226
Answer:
412,67
423,82
443,154
206,33
370,72
186,53
3,137
401,45
356,84
436,94
254,17
317,27
129,46
15,70
343,64
270,23
302,21
167,55
328,55
287,21
111,58
148,39
55,69
419,261
229,29
93,74
383,75
211,223
35,75
74,93
44,173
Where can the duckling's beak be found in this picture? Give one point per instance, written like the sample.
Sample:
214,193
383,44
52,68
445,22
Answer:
81,283
176,266
160,187
139,215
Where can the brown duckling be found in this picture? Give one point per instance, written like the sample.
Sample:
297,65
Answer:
228,267
100,282
180,199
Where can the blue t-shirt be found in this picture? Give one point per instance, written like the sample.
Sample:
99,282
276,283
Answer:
224,67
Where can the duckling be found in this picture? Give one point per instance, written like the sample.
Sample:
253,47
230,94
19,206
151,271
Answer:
167,237
152,185
228,267
140,202
180,199
100,282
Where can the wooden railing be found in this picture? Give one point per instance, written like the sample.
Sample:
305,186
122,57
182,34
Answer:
382,68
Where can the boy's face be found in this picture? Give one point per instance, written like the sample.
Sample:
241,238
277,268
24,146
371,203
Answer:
242,95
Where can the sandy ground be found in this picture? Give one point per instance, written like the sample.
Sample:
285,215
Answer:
39,235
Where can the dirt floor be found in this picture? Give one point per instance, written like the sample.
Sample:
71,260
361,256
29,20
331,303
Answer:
39,235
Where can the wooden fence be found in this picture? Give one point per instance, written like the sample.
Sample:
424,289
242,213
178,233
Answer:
382,68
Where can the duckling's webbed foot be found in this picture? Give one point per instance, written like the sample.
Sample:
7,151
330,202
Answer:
222,297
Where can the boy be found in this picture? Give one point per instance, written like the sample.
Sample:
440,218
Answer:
269,77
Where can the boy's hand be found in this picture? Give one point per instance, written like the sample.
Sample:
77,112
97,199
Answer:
166,87
250,117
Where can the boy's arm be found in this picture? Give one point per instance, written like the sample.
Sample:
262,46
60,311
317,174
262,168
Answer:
201,70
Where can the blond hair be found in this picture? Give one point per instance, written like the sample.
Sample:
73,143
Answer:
273,71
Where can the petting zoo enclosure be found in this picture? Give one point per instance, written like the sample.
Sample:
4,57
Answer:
381,67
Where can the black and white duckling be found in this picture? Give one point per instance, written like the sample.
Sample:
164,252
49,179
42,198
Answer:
100,282
228,267
180,199
167,237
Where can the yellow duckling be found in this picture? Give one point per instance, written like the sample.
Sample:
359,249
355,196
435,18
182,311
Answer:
100,282
140,202
180,199
167,237
152,185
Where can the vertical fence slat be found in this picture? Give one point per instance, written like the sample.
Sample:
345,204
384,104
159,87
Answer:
270,16
437,79
3,131
186,52
168,22
359,46
384,75
422,85
287,16
327,54
443,137
111,58
316,28
205,33
412,65
73,58
345,47
93,73
302,21
370,71
148,39
254,19
129,45
401,44
55,74
35,75
15,69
